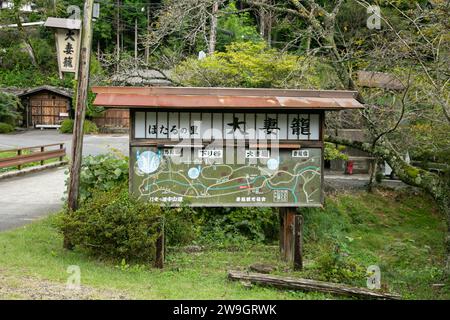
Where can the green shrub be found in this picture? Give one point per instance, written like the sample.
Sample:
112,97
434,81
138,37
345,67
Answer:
114,226
230,224
66,126
10,108
5,127
102,173
181,227
88,127
336,266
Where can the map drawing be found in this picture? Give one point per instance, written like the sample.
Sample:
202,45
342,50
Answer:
291,178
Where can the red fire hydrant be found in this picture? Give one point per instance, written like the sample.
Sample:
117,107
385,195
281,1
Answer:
349,167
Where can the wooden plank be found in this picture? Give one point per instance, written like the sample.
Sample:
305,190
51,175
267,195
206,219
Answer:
310,285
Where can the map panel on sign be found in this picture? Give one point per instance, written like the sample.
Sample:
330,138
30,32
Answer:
201,177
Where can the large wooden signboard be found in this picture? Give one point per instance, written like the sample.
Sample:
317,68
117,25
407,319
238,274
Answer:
227,159
229,147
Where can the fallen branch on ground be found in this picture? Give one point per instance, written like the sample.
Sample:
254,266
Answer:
309,285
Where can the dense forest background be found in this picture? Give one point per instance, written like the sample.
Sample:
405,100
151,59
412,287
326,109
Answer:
317,44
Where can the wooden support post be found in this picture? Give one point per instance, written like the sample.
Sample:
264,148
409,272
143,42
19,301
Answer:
19,152
61,146
80,110
287,216
160,247
42,150
298,242
291,237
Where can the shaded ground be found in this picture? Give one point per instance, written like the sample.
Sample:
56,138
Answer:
32,288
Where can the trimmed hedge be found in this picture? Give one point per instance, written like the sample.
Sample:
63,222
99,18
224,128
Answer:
88,127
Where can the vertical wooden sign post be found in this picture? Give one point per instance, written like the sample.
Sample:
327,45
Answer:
80,109
229,147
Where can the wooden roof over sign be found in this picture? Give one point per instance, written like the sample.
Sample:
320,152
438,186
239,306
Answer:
74,24
224,98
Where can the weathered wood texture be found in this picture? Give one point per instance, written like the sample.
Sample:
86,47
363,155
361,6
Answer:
291,237
81,105
48,108
113,119
287,217
309,285
33,156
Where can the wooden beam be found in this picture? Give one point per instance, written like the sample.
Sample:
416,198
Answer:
310,285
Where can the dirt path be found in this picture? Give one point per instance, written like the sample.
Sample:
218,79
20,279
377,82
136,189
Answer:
30,288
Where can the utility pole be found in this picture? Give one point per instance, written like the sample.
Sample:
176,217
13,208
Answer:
80,112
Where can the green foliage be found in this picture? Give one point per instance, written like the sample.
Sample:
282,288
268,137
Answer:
235,27
253,64
384,228
235,226
181,226
333,266
102,173
114,225
6,128
9,109
88,126
331,152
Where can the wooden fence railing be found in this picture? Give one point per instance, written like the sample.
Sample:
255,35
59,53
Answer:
27,155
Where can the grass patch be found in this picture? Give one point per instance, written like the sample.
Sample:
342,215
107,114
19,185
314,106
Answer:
402,233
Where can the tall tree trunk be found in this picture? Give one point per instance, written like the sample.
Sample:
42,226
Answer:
213,33
262,21
269,29
430,182
26,39
135,41
147,48
117,34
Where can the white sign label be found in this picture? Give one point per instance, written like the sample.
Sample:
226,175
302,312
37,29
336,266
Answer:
300,153
257,154
227,126
67,41
210,154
